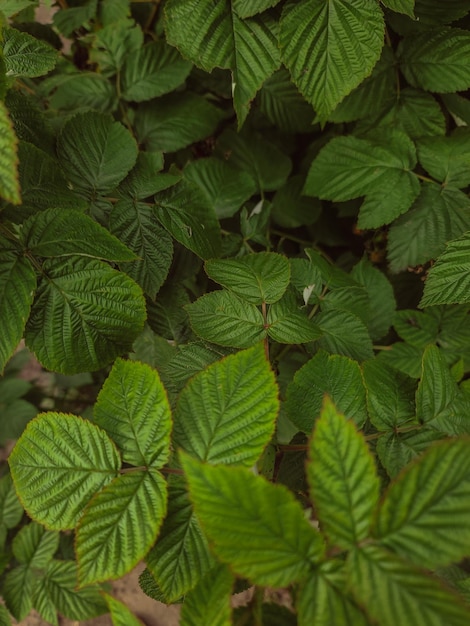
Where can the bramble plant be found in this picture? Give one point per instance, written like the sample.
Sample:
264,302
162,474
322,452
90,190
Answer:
251,218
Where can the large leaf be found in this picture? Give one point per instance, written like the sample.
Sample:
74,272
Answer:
448,280
25,55
209,602
213,35
256,278
240,515
85,314
17,286
71,459
227,413
435,60
9,183
95,152
120,525
133,409
447,159
344,486
424,514
64,232
330,47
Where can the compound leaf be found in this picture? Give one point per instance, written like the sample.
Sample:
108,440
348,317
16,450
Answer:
9,183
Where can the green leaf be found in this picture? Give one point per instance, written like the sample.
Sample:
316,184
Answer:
344,333
84,315
71,459
416,327
167,316
84,90
215,36
435,59
432,12
344,486
29,121
288,323
5,619
144,179
394,592
181,555
134,223
437,388
395,450
329,48
221,404
401,6
42,601
301,209
11,7
11,510
113,44
390,396
120,613
256,278
186,213
247,8
438,215
248,532
448,280
65,232
17,286
223,318
25,55
17,591
120,525
335,375
153,70
132,407
9,183
35,546
226,189
378,167
447,159
175,121
95,152
209,602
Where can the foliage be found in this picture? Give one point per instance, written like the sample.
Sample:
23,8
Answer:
249,220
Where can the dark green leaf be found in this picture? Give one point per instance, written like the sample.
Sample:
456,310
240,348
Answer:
344,333
25,55
395,450
209,601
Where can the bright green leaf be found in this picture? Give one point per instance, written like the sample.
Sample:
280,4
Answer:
120,613
71,459
209,601
9,183
24,55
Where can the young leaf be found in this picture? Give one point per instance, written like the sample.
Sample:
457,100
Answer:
9,183
84,315
132,407
448,280
423,516
240,514
223,318
394,592
17,286
25,55
344,486
227,413
120,613
209,601
119,526
71,459
437,389
256,278
330,48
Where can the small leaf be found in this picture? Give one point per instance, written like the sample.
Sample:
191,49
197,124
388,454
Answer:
9,183
25,55
120,613
437,388
11,510
247,8
132,407
344,486
71,459
227,413
5,619
35,546
248,532
209,601
288,323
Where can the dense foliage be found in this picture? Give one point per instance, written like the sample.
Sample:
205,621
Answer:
250,219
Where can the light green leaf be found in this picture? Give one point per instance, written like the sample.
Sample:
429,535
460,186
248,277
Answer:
447,159
120,613
65,232
85,314
329,48
11,7
186,213
17,286
181,555
335,375
226,189
240,515
395,592
227,413
71,459
11,510
395,450
132,407
256,278
439,214
120,525
344,333
288,323
390,396
153,70
17,590
42,601
9,183
5,619
344,486
95,152
448,280
24,55
209,602
35,546
435,60
401,6
437,388
135,224
223,318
